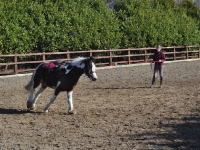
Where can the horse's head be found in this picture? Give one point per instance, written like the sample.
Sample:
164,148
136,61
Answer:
90,68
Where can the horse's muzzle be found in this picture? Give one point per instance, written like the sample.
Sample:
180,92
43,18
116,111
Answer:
93,76
94,79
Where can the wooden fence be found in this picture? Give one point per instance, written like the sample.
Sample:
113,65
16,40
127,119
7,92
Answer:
21,63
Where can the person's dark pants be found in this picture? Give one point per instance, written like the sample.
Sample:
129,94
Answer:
158,68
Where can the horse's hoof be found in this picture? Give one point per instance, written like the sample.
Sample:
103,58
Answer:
30,106
72,112
46,110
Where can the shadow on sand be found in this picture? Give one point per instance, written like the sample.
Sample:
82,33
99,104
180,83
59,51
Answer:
15,111
185,135
119,88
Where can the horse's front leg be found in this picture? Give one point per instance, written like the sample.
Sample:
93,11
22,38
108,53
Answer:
49,104
70,102
56,92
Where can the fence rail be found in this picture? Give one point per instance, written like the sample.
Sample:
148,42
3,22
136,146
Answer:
18,63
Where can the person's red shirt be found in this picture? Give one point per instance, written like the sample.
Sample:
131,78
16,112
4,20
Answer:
159,56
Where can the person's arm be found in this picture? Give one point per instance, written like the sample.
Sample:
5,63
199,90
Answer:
162,57
154,58
152,62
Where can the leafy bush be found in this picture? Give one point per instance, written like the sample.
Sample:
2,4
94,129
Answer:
192,10
48,25
147,23
165,3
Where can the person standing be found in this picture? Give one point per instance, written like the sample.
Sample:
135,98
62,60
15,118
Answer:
158,60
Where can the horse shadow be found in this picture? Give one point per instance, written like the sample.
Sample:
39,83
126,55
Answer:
16,111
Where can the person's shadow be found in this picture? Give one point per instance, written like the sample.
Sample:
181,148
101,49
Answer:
116,88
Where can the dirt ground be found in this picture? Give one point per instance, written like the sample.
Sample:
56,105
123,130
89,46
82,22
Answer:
118,111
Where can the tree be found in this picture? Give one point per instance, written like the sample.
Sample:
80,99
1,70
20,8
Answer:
190,7
166,3
146,25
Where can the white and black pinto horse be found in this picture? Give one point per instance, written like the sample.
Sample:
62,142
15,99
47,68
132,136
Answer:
64,78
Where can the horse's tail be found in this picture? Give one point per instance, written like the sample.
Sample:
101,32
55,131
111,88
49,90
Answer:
30,83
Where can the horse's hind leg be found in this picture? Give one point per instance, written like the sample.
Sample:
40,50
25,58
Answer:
29,102
35,84
57,91
37,95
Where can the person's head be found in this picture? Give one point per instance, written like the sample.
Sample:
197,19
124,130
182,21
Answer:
158,48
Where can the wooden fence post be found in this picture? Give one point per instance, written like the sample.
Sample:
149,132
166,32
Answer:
174,53
16,65
145,55
199,51
129,58
43,57
68,55
110,58
186,52
90,53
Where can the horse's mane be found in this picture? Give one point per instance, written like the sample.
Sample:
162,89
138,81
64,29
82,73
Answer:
77,61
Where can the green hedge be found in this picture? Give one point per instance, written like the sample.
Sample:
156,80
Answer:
147,24
50,25
39,26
